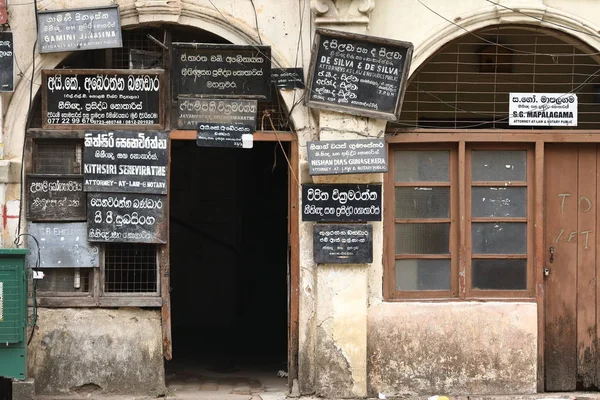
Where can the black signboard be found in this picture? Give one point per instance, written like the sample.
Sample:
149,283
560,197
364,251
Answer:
192,111
125,162
287,78
79,29
52,198
87,98
343,244
62,245
219,70
126,217
7,71
341,202
238,136
358,74
335,157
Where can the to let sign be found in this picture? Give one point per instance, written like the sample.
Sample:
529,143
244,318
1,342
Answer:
343,244
222,70
79,29
341,202
124,161
87,98
335,157
126,217
358,74
542,109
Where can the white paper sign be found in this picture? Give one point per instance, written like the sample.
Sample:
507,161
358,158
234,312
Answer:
542,109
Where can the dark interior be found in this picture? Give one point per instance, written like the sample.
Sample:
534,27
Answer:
228,252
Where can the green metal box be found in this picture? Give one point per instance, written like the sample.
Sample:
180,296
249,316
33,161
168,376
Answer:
13,313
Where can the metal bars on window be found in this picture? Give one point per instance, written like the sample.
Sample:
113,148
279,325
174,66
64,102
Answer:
467,83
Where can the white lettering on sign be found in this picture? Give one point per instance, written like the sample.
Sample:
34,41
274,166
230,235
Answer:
542,109
1,301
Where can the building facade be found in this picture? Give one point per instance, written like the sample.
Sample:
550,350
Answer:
483,277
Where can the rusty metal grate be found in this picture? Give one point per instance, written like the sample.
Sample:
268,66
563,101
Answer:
130,268
467,83
57,157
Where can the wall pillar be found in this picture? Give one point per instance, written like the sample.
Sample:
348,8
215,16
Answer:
342,290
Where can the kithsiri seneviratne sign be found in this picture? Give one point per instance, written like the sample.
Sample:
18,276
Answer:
79,29
542,109
335,157
125,162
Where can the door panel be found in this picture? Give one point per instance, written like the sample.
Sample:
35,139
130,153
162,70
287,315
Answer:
570,247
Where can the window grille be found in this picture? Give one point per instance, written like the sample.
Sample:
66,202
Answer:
467,83
130,268
58,157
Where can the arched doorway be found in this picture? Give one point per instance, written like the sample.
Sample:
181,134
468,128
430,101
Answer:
496,213
221,282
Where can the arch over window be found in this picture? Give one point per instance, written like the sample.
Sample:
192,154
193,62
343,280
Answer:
467,83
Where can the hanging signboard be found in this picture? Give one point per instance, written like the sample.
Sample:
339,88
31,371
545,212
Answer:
7,71
358,74
87,98
335,157
288,78
125,162
126,217
221,70
238,136
343,244
79,29
341,202
542,109
52,198
62,245
191,111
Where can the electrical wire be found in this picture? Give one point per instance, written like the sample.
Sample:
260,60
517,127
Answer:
591,34
552,55
256,22
34,286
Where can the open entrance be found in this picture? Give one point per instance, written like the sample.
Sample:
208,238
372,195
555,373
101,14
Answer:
229,267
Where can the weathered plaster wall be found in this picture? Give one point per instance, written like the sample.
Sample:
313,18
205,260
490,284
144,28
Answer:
112,351
452,348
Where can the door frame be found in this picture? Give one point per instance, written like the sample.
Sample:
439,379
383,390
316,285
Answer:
538,138
293,246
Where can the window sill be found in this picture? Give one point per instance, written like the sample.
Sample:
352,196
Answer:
87,302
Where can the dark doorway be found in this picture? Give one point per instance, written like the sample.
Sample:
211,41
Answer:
229,260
